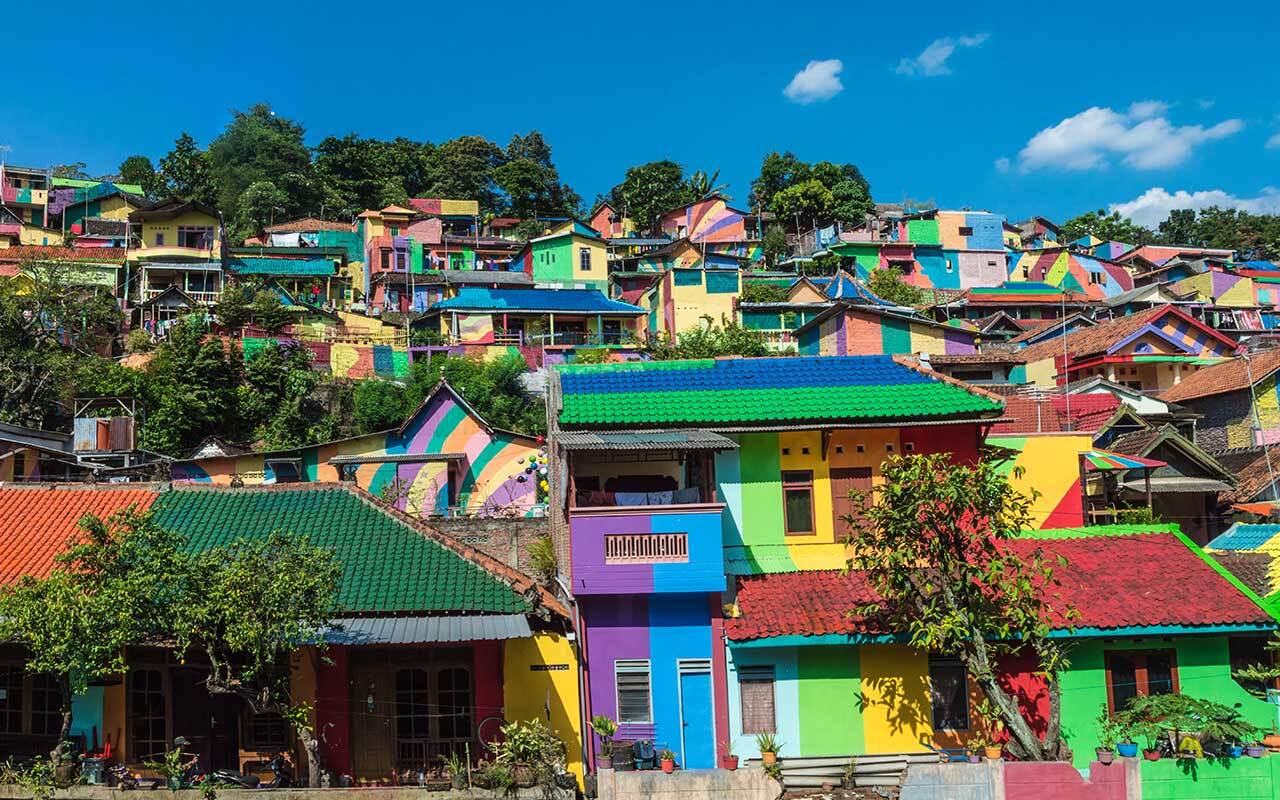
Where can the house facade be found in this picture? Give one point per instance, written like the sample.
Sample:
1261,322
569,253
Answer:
855,329
571,256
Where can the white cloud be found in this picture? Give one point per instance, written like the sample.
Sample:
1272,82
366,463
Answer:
1152,207
1003,164
1141,137
819,80
933,59
1274,142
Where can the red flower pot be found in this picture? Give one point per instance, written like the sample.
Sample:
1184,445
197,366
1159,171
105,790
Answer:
729,762
668,765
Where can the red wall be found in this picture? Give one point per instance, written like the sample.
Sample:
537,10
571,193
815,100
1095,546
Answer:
959,440
1059,780
488,671
333,712
1017,676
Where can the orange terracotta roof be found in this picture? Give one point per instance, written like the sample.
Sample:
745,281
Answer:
1098,338
1251,480
37,520
54,253
1229,376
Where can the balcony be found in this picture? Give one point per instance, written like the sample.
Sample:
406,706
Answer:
25,196
204,298
173,253
647,549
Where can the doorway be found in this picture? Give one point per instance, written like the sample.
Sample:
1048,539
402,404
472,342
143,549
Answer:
697,730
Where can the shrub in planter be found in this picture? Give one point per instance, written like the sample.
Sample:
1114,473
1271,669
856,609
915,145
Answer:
668,761
1127,749
1184,721
769,745
532,753
1255,751
1109,732
729,761
605,728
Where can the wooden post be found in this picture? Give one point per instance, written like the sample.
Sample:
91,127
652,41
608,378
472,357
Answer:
1146,475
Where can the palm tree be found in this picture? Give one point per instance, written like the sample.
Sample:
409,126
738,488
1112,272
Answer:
701,185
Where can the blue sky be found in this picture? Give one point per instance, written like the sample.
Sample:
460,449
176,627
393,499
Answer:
935,101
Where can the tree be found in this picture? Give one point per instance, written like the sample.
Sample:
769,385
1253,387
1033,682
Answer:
1107,227
380,405
139,171
463,168
75,170
248,607
257,145
887,284
354,173
702,185
47,324
804,204
780,172
649,190
727,338
775,245
192,382
777,172
932,541
1179,227
260,202
764,292
108,589
851,202
495,389
184,173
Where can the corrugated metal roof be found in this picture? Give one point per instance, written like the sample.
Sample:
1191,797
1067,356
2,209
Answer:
1176,483
398,458
646,440
1243,536
419,630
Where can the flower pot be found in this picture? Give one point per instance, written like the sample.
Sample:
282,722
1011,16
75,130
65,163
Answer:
1255,751
974,758
729,762
524,776
604,762
668,765
1151,754
993,753
1271,740
1233,750
1127,749
1104,755
623,762
769,758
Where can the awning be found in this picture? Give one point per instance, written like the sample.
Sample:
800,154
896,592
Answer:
645,440
1171,484
424,630
1107,460
397,458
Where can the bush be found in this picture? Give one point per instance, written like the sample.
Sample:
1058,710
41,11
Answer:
138,341
764,292
543,560
531,745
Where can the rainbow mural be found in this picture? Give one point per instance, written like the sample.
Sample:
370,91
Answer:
466,466
710,220
343,360
1098,278
859,332
1046,468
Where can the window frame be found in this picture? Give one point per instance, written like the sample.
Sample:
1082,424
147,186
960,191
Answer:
941,663
1140,677
964,230
793,486
747,674
631,666
584,259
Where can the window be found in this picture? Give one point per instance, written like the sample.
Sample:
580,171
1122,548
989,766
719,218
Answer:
46,706
755,686
453,702
584,259
11,698
1026,272
147,719
159,240
966,230
386,259
265,732
201,238
1095,278
949,694
632,681
797,501
413,715
1139,673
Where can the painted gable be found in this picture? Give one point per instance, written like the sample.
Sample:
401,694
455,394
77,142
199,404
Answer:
710,220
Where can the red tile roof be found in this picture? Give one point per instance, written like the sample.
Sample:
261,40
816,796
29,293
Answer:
52,253
1115,580
36,521
1229,376
1088,413
1098,338
309,225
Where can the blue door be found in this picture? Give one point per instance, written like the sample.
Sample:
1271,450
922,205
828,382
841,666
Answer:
697,728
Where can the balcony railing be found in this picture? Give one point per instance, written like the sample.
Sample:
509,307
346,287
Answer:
173,251
206,298
646,548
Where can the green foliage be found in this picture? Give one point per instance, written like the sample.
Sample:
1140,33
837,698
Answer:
138,341
804,204
191,389
768,743
268,311
73,170
775,245
1107,227
543,559
1252,236
1139,515
496,777
380,405
1153,717
454,764
726,339
259,147
931,540
605,728
494,389
1110,731
138,169
184,172
764,292
273,401
531,745
48,324
847,197
703,185
259,204
650,189
887,284
37,777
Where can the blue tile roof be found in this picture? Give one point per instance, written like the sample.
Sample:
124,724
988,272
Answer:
1241,536
586,301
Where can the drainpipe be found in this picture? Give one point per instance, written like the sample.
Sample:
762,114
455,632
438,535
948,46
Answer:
584,741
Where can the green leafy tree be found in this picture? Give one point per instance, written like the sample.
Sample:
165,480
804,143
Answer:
380,405
932,541
495,389
248,607
192,384
273,400
268,311
764,292
185,173
234,309
138,169
805,204
780,172
1107,227
261,203
775,245
703,185
727,338
48,324
531,181
257,146
777,172
110,588
463,169
1179,227
75,170
851,202
887,284
649,190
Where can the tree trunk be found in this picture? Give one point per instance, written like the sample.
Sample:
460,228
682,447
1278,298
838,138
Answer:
312,746
59,747
1026,744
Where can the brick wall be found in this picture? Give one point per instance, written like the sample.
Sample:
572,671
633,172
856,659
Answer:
507,540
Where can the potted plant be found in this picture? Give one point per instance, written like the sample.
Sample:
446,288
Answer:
730,761
1255,750
456,766
1109,732
605,728
769,745
1272,739
668,761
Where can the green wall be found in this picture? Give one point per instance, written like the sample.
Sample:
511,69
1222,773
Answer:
759,470
895,335
1241,779
1203,671
923,231
830,685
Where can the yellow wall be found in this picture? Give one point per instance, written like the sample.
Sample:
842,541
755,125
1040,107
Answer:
115,208
1041,373
928,339
169,227
895,691
693,305
1050,465
35,235
529,693
599,259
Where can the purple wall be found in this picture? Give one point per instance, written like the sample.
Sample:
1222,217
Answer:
703,572
959,342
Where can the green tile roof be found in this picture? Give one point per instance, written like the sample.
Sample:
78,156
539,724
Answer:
388,567
319,267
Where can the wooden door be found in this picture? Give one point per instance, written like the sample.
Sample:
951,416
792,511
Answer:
372,718
843,481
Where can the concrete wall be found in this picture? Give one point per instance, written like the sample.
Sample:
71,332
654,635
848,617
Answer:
1001,780
741,784
11,792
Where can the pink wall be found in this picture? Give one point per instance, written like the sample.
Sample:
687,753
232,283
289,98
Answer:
1060,781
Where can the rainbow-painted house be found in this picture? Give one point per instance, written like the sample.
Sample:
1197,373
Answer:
1072,270
936,249
444,460
857,328
682,473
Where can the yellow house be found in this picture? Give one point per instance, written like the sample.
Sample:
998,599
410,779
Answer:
180,247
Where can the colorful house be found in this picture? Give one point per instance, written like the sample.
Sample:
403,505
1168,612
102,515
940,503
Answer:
829,682
708,220
444,460
437,641
847,329
571,256
1151,350
1238,399
680,472
180,248
1071,270
605,220
519,317
25,192
1018,300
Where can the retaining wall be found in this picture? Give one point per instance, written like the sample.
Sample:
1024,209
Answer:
690,784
